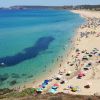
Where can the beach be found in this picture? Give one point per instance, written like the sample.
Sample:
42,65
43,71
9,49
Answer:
86,45
79,72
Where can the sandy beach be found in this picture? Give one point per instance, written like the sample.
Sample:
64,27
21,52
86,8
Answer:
86,45
78,71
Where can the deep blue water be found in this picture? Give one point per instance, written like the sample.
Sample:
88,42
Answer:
30,40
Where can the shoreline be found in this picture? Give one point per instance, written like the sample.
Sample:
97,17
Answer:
69,59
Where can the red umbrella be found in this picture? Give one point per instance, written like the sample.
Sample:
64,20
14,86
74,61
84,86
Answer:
80,74
56,85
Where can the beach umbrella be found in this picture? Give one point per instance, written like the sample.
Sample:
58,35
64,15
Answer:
86,69
74,89
68,73
40,89
52,91
58,77
77,50
96,54
89,64
90,55
85,58
83,51
56,85
62,82
46,81
71,64
80,74
43,85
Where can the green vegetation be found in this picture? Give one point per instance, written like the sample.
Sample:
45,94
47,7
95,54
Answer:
28,94
6,93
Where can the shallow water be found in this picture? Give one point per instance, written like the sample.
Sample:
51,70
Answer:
30,40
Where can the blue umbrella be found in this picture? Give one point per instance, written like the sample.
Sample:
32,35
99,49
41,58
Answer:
40,89
54,87
43,85
52,91
46,81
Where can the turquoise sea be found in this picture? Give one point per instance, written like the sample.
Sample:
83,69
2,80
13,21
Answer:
30,40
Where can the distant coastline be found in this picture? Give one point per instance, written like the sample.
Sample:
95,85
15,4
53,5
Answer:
70,7
37,7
